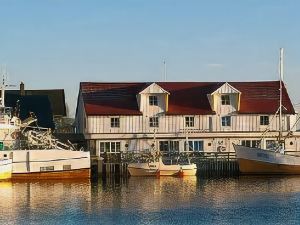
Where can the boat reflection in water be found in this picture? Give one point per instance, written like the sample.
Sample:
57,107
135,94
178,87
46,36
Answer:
167,200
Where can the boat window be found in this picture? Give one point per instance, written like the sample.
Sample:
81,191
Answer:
46,168
66,167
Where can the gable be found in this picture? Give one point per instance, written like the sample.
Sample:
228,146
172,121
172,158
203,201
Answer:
226,89
154,89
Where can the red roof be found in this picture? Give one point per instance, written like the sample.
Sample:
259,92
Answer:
186,98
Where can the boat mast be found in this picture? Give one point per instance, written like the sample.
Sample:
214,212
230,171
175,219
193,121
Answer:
3,85
280,94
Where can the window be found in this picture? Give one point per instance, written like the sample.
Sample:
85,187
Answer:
110,147
169,146
225,100
115,122
153,121
189,121
153,100
226,121
264,120
271,144
196,146
66,167
251,143
46,168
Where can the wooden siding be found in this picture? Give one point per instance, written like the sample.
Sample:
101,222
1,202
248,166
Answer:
175,124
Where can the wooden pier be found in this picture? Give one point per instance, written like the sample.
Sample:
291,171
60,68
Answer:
209,164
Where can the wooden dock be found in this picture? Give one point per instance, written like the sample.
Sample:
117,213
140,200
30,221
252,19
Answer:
209,164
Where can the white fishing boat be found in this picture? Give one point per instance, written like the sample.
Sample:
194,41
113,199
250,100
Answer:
143,169
269,161
5,169
35,153
262,161
157,168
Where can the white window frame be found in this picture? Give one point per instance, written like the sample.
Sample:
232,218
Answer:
226,121
172,146
189,121
153,100
153,121
264,120
194,146
225,100
250,143
110,146
115,122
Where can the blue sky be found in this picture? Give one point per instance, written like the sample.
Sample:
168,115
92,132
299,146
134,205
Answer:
58,43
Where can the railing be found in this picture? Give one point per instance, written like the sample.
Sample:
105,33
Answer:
126,157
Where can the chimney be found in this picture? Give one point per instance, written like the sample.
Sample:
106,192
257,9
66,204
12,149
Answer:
22,89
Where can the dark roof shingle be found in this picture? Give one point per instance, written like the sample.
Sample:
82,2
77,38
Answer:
186,98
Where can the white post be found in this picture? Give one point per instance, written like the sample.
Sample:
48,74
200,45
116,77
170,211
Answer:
280,89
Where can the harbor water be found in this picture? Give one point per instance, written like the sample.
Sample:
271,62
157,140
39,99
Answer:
165,200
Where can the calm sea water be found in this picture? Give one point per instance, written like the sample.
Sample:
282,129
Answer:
168,200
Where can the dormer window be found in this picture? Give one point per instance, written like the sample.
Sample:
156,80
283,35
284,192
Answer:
225,100
153,100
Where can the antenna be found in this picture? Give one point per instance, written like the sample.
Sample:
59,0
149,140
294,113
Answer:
165,70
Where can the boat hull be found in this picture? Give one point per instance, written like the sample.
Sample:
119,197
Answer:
160,169
260,161
255,167
143,169
71,174
5,169
50,163
188,170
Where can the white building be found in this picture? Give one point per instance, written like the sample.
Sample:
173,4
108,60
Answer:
209,115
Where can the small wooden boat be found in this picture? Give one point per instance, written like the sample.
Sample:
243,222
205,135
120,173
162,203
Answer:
143,169
5,169
161,169
188,169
